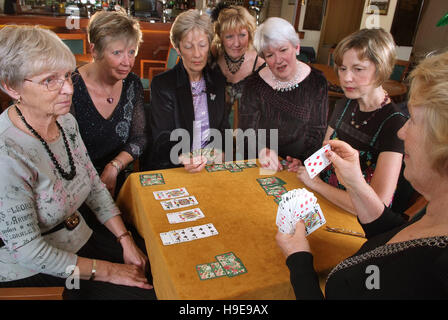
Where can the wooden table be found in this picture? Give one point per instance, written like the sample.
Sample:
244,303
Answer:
396,89
245,219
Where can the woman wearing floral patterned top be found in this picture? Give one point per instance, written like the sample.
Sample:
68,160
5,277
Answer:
46,176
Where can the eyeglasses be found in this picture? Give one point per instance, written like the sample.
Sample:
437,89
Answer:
54,84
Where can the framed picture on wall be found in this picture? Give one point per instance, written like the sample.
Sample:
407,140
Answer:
378,6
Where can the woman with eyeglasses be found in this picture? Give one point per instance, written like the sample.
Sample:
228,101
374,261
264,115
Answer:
108,98
46,174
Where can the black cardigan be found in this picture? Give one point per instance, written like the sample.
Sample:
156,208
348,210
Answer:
171,107
415,269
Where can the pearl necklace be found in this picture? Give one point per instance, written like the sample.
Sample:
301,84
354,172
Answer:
65,175
289,85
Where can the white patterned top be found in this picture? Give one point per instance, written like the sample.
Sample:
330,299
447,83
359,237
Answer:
34,198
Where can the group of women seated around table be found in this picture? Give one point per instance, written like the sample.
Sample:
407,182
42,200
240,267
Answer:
72,136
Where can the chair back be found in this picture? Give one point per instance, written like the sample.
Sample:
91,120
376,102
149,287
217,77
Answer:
331,57
77,42
172,58
400,70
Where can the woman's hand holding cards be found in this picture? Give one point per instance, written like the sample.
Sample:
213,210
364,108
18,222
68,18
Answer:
291,243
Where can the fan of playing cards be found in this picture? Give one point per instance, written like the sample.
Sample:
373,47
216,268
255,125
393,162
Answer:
299,204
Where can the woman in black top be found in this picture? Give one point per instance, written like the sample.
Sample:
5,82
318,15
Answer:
187,101
108,98
366,118
289,97
400,260
233,48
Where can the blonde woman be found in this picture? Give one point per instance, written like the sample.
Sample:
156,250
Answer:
233,47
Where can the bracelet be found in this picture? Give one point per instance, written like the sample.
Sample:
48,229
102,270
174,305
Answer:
92,275
127,233
115,164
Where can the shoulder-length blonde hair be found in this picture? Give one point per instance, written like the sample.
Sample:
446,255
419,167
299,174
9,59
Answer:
375,45
234,18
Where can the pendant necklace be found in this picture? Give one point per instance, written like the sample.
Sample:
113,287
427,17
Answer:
233,65
363,123
65,175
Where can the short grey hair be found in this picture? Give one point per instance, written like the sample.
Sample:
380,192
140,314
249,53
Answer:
188,21
27,51
273,33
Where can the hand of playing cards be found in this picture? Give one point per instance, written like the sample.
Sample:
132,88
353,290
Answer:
299,204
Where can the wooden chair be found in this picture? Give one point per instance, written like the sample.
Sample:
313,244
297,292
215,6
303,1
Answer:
417,206
400,70
171,60
31,293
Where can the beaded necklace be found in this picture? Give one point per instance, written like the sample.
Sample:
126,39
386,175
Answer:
233,65
65,175
363,123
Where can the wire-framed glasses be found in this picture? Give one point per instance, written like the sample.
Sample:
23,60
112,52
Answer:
53,83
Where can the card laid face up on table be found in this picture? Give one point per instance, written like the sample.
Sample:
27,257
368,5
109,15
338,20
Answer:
299,204
185,216
317,162
179,203
188,234
169,194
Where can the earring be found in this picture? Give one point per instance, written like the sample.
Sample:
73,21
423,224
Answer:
18,101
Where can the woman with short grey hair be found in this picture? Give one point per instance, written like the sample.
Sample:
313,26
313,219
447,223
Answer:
190,96
46,174
289,96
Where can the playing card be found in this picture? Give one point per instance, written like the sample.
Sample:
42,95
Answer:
274,190
205,271
317,162
231,264
166,238
284,164
314,219
150,179
270,180
185,216
188,234
169,194
232,167
295,205
217,269
251,164
215,167
179,203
